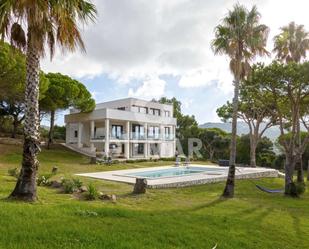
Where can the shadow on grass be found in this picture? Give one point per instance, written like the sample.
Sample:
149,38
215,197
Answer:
209,204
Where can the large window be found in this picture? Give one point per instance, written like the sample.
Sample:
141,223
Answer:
117,131
140,109
154,149
138,131
154,111
154,132
138,149
167,132
167,113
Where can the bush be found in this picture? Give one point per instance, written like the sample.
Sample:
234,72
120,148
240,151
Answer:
14,172
77,183
71,185
92,193
44,180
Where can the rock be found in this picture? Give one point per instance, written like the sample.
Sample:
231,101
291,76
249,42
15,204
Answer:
83,189
55,170
55,184
140,186
114,198
104,197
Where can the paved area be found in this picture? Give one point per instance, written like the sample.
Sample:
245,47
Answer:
182,181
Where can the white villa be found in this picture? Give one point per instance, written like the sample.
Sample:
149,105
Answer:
127,128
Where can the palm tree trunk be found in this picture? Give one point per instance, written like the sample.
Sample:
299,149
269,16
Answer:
51,129
230,182
25,188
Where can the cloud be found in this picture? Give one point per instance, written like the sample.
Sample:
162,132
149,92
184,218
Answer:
151,88
137,39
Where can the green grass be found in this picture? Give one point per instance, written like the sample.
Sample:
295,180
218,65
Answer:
191,217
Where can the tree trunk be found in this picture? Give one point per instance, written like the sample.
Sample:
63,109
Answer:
252,153
308,171
230,182
300,170
51,129
289,170
140,186
25,188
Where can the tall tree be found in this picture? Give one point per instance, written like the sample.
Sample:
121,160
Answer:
287,87
241,37
291,45
12,84
34,25
64,92
215,142
253,110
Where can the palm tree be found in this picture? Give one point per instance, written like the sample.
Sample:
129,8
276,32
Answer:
32,26
241,37
291,45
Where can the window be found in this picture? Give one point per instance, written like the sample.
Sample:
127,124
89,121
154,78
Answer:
138,149
154,149
117,131
140,109
154,111
121,108
167,113
154,132
167,132
75,133
138,131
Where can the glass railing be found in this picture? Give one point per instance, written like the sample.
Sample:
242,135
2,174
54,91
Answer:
122,136
138,136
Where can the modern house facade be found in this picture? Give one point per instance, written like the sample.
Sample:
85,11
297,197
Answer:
127,128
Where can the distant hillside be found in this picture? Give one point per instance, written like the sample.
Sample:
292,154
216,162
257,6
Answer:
242,128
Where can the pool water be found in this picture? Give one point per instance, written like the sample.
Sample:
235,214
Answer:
175,171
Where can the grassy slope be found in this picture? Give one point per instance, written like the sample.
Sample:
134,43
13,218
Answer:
191,217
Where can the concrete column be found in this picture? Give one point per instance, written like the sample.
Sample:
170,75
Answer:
146,131
127,143
79,137
67,133
128,131
127,149
92,124
162,132
146,150
174,140
106,137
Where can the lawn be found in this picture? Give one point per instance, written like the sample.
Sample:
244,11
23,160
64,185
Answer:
191,217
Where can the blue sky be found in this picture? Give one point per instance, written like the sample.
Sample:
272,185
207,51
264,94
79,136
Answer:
149,49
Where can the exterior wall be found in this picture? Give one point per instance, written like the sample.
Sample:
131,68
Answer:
93,131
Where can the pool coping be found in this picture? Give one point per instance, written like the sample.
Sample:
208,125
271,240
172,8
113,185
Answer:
181,181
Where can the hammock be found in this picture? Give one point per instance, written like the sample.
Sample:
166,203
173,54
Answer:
271,191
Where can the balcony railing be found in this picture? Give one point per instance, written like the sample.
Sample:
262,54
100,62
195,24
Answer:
122,136
138,136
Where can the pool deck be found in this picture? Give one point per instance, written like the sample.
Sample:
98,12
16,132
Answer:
182,181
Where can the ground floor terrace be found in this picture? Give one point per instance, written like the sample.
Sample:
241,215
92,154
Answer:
122,139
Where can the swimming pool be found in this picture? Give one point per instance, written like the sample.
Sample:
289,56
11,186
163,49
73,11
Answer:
176,171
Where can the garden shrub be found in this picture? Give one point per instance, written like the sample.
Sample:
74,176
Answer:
92,193
43,180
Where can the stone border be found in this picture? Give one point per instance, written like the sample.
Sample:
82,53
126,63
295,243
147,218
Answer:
181,181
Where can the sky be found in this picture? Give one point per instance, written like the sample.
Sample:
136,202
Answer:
153,48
